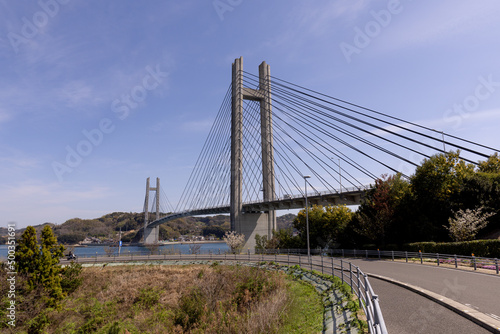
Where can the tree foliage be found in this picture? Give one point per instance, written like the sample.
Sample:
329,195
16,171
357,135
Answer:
398,211
379,212
492,165
214,230
281,239
39,261
440,176
325,224
28,253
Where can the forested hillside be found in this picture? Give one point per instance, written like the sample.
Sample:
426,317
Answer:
108,227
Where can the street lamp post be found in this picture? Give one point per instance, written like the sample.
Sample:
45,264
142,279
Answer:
307,218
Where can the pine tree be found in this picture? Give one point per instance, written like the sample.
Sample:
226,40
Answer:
49,267
28,255
40,261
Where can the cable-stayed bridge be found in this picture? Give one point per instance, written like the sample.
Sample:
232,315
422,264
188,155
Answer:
275,144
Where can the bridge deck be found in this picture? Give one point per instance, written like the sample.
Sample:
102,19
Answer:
287,202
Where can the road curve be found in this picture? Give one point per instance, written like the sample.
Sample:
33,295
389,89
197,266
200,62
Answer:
476,290
406,312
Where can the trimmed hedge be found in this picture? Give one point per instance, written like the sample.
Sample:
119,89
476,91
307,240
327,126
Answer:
481,248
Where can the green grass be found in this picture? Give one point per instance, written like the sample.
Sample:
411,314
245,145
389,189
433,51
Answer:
305,314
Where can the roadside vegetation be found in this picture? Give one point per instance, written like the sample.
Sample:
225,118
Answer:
180,299
446,200
125,299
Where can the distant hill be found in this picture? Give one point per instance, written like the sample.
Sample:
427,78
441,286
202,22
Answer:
285,221
131,224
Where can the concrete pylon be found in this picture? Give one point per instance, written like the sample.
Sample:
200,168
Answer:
151,234
262,223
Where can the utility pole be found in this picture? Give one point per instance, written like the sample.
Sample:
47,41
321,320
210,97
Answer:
120,242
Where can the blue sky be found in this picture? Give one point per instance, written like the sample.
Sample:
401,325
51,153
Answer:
142,83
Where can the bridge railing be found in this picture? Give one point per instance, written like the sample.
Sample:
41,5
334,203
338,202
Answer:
345,190
347,272
316,193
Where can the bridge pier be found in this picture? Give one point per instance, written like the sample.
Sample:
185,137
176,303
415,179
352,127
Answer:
151,235
253,224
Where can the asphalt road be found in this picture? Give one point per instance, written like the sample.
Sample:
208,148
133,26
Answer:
407,312
476,290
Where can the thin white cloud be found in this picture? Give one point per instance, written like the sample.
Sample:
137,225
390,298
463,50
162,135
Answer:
445,22
32,200
305,22
201,125
13,160
53,193
76,93
319,19
4,116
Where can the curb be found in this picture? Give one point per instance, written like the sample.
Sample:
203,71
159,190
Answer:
475,316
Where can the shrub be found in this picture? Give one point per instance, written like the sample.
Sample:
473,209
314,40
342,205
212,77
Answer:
71,278
148,297
482,248
190,311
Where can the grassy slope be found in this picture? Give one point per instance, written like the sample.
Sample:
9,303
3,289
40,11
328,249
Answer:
167,299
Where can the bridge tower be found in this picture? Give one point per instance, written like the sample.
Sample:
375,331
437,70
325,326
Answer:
151,234
251,223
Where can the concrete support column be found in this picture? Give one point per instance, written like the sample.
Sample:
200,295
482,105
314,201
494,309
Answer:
266,133
262,223
151,234
157,198
146,205
236,144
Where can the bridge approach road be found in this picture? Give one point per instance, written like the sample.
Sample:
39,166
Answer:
475,290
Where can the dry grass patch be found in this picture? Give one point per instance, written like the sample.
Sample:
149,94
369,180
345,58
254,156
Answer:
174,299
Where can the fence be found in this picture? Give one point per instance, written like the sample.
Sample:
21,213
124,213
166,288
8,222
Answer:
344,270
430,258
454,260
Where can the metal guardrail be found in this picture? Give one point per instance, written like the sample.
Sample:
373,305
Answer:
347,272
430,258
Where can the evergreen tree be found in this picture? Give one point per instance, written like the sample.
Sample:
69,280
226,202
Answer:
49,268
28,254
40,261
